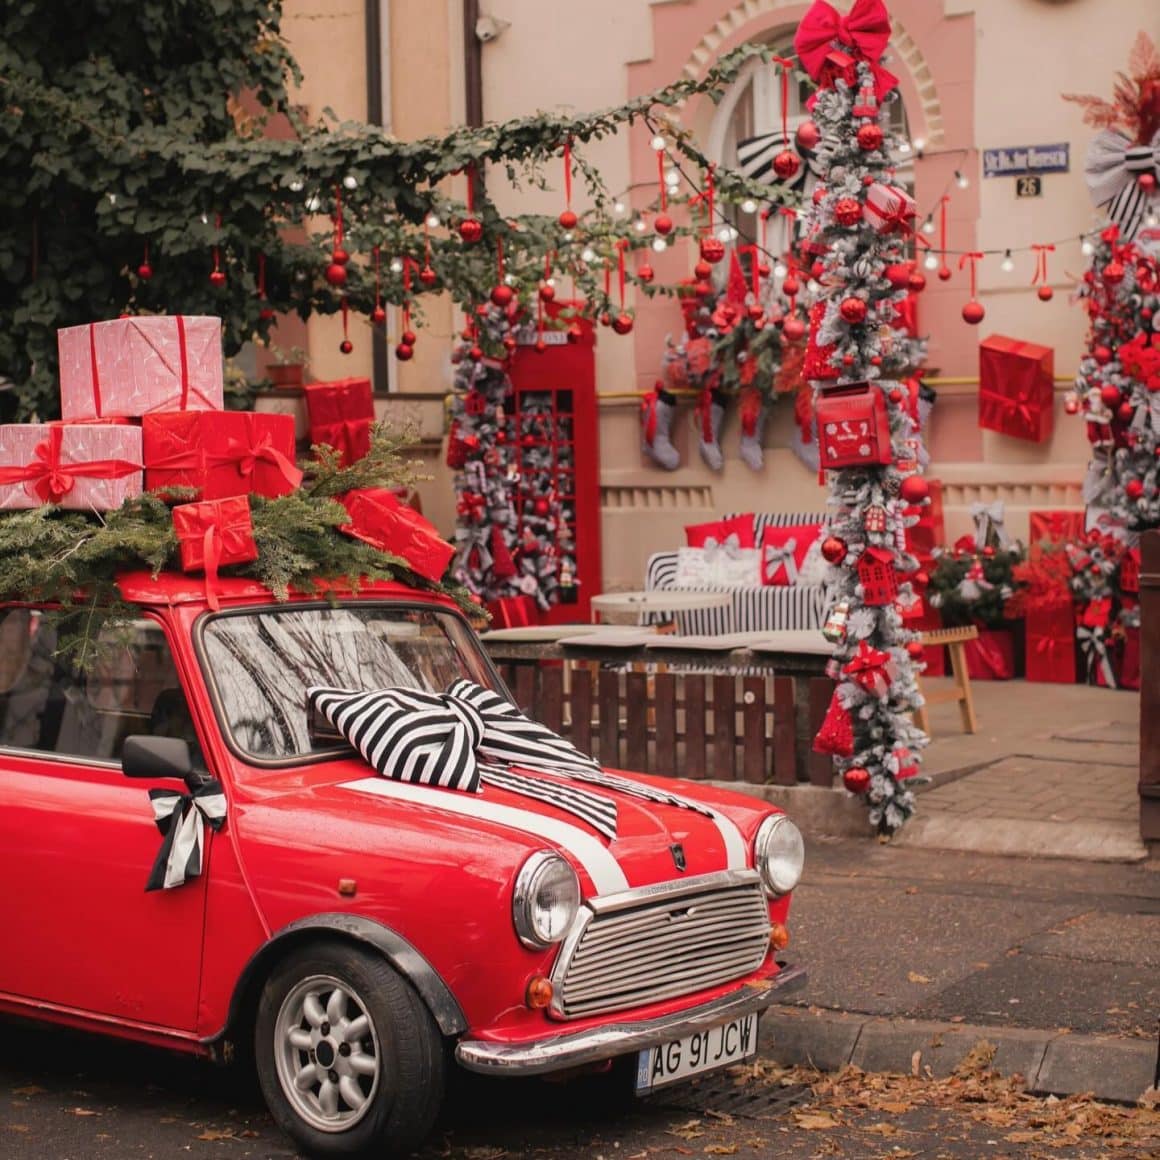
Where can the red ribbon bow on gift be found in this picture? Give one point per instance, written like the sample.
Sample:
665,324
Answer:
863,33
871,669
47,480
248,453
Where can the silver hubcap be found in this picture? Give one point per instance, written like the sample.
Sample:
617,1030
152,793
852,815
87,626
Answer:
327,1052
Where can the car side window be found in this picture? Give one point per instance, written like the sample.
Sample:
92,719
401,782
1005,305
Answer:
49,706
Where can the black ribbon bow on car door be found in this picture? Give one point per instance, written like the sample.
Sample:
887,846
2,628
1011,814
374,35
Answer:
182,818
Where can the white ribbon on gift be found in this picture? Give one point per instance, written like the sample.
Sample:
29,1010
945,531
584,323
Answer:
730,546
1111,168
988,517
1093,643
782,556
182,818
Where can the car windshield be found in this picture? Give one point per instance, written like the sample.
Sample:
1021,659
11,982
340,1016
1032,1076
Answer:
261,663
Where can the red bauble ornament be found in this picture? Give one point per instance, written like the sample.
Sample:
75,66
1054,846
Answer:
712,249
756,311
346,346
217,278
916,281
807,136
915,650
605,318
1046,294
921,579
509,343
786,164
794,329
848,211
1071,406
973,313
471,230
914,489
1124,412
378,316
144,271
502,295
791,286
428,276
547,292
1110,396
870,138
408,337
856,779
944,273
898,275
266,313
702,270
875,360
1133,489
1102,355
853,310
404,352
1114,272
645,274
819,194
540,346
1146,181
340,256
834,550
663,224
763,269
475,353
622,323
336,274
541,506
989,552
703,289
817,270
895,396
568,220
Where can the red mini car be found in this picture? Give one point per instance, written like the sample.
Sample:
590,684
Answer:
359,934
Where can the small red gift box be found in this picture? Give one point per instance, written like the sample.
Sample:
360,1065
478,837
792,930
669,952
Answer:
80,466
853,426
992,656
1059,527
1050,645
223,454
379,519
134,366
888,209
212,535
341,414
1016,388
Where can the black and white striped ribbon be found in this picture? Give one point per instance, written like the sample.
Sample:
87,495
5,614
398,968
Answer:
1111,169
182,818
599,812
755,160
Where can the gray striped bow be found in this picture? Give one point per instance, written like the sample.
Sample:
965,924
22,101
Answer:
182,818
1112,165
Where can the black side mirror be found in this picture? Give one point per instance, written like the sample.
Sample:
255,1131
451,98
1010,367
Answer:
154,757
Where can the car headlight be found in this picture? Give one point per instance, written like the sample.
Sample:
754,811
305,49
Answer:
779,854
545,900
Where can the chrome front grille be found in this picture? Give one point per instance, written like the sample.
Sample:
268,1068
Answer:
648,945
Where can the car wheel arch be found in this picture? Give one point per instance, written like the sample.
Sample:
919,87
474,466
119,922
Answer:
396,950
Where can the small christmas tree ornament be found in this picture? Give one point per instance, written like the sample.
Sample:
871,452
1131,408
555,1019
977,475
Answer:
944,271
346,346
568,220
836,735
501,294
145,270
853,310
217,276
870,137
837,623
848,211
834,550
856,779
1045,292
662,223
471,228
806,137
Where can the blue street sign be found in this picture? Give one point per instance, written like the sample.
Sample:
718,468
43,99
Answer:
1019,159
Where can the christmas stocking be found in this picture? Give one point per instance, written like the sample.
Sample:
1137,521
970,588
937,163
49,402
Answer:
710,412
656,417
754,410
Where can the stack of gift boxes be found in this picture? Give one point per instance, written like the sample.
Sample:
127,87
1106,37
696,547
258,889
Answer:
142,407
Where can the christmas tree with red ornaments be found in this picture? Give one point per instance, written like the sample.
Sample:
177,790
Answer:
856,232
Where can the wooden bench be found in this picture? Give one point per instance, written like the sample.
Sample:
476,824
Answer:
954,639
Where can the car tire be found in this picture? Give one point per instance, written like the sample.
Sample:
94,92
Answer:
349,1059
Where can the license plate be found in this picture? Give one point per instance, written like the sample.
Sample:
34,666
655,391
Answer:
714,1047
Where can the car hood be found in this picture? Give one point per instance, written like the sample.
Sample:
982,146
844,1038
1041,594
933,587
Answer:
355,811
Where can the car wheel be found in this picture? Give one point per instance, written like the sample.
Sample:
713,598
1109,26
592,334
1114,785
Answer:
348,1056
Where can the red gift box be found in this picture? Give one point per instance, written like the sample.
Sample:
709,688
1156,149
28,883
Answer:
1016,388
79,466
223,454
141,364
212,535
379,519
1059,527
992,656
888,209
853,426
340,414
1050,643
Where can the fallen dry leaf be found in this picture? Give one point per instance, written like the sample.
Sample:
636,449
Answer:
814,1121
883,1128
31,1089
720,1149
18,1127
84,1112
896,1107
216,1134
1021,1137
689,1130
915,977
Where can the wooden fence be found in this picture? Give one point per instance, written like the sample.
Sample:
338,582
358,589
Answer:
729,716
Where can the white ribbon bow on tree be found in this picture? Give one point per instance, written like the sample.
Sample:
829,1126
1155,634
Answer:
730,546
988,519
1111,168
182,818
782,556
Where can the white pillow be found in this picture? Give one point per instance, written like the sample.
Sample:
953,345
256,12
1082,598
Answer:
718,568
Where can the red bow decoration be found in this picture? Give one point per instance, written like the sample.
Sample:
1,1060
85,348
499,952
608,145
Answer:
248,453
863,34
871,669
50,481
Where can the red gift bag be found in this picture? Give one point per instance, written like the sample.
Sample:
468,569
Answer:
992,656
1016,388
1050,644
341,414
212,535
378,518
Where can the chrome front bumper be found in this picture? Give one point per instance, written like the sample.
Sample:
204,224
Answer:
558,1052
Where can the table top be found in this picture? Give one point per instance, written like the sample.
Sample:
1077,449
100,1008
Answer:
660,600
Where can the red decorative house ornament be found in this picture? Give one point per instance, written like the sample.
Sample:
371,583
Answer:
877,576
853,427
875,519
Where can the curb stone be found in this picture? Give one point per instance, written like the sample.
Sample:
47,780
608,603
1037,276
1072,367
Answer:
1051,1062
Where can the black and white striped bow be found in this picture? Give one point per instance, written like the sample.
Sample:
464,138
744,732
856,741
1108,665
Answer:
182,818
469,737
1111,169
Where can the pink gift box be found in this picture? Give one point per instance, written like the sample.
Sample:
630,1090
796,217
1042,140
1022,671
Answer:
134,366
889,209
83,466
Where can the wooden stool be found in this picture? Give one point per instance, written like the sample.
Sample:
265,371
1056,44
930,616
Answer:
954,639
